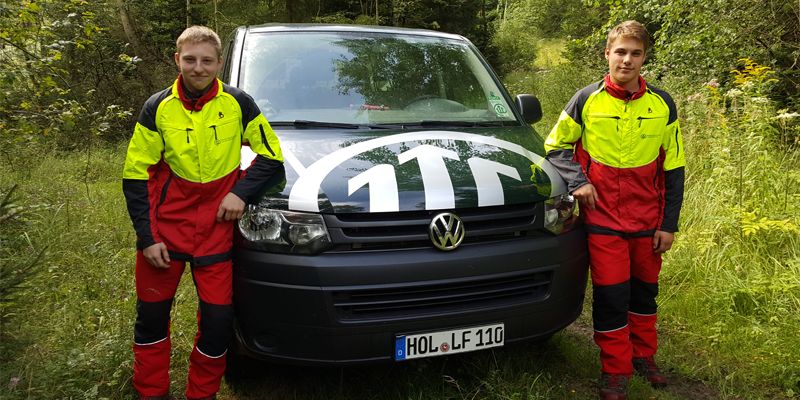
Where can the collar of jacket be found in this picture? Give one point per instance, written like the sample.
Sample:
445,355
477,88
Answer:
624,94
196,104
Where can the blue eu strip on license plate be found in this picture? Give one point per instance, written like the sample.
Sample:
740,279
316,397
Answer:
453,341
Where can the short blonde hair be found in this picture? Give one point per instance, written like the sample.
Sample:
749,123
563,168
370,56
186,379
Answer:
199,34
629,29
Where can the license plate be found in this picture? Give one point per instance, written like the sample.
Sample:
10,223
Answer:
448,342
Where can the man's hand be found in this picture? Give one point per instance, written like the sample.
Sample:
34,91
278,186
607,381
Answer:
231,208
157,255
586,195
662,241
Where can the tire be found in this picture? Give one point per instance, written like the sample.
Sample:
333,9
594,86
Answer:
241,367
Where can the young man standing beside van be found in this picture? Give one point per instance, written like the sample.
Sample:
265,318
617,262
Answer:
618,145
183,191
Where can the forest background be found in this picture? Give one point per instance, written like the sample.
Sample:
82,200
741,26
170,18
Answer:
74,74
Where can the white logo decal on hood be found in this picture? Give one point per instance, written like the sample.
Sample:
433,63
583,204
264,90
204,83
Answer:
436,180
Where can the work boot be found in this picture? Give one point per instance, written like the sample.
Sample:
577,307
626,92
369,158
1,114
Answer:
613,387
647,368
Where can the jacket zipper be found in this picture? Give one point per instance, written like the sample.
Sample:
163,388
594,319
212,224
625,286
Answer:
264,140
640,118
216,140
164,191
588,165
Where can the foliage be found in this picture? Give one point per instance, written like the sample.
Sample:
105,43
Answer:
57,79
514,41
702,40
738,254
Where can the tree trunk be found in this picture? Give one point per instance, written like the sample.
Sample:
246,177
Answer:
216,26
127,27
188,13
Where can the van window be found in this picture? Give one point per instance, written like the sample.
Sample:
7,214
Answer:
368,78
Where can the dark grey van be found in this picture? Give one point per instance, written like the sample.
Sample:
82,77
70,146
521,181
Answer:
417,216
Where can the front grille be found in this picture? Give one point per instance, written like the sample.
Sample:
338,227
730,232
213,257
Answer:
403,230
432,298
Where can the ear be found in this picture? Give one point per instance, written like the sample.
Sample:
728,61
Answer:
605,53
178,59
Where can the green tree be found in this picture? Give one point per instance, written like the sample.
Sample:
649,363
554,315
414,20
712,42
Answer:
59,75
701,40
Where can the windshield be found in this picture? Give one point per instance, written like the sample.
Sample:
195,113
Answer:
367,78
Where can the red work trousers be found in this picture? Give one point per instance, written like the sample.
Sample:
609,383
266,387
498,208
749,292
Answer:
624,274
155,288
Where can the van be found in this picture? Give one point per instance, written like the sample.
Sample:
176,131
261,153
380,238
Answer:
417,216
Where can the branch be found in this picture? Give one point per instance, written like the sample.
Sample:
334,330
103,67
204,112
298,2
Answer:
30,55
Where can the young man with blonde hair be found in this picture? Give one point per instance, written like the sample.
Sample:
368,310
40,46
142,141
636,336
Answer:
618,145
184,191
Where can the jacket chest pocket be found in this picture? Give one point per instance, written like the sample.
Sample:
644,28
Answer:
179,140
225,130
602,136
607,123
650,127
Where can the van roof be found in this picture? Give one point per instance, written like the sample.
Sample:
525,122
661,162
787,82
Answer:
279,27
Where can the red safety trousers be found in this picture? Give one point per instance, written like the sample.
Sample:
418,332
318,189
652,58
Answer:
186,217
624,272
156,288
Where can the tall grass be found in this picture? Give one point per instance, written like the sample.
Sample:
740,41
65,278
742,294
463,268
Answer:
731,288
70,333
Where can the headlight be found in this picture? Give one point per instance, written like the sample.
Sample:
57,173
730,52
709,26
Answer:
559,213
284,231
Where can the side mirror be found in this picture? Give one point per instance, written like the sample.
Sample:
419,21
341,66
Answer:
530,108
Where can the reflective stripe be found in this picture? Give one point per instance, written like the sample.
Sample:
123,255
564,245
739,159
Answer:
151,343
643,315
612,330
221,355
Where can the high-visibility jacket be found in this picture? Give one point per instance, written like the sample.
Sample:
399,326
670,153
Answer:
630,150
185,158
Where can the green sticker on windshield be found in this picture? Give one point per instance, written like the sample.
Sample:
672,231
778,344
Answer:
498,105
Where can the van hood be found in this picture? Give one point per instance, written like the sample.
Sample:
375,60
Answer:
332,171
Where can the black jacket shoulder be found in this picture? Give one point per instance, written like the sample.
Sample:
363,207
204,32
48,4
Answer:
246,103
147,117
575,106
673,110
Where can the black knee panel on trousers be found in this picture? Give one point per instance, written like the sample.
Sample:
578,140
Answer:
610,306
152,321
216,328
643,297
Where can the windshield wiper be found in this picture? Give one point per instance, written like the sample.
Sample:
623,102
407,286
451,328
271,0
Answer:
428,122
301,123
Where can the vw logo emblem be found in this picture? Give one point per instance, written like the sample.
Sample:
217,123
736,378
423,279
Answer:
446,231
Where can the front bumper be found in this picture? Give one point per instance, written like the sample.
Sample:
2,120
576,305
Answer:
347,308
